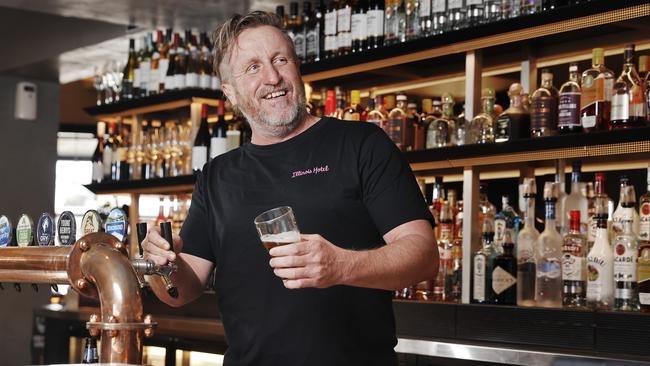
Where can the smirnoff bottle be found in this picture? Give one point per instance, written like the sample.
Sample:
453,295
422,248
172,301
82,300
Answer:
600,266
548,254
526,248
625,210
574,265
482,264
625,257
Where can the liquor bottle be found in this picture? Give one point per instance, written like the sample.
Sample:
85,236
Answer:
219,129
193,58
331,44
279,11
544,103
483,123
600,266
643,276
600,198
180,63
144,67
437,197
436,107
559,205
456,14
98,155
343,28
445,243
574,265
644,74
107,157
628,99
548,255
568,120
421,128
644,212
597,88
455,280
314,26
377,115
504,275
475,12
625,209
482,264
128,73
412,19
205,66
505,224
118,156
375,27
354,110
526,240
233,138
391,22
626,251
514,122
168,84
418,130
486,210
425,17
399,130
575,201
494,10
439,123
154,76
294,30
90,354
201,142
439,17
360,26
529,7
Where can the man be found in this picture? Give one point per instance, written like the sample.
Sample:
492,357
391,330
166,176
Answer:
325,299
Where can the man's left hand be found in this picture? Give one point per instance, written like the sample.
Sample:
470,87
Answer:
312,262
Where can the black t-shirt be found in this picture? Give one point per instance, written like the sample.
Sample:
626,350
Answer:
345,181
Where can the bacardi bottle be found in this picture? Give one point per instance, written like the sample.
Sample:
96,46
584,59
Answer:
574,264
526,248
548,255
626,295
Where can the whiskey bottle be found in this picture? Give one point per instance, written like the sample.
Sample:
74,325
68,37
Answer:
625,209
600,266
504,275
456,14
331,44
360,26
514,122
575,201
412,19
568,120
425,17
482,264
574,265
439,19
375,18
548,286
400,131
505,224
628,100
544,103
526,248
600,200
483,123
626,293
344,28
597,87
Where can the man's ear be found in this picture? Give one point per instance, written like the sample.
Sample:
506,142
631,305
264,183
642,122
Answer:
229,93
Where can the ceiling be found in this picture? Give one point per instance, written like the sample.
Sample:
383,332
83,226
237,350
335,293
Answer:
66,40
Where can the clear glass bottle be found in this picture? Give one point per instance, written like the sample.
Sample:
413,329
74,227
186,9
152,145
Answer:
548,286
475,12
483,123
597,87
505,224
440,131
456,14
575,201
482,264
394,22
486,210
625,210
568,120
526,241
514,122
445,250
412,19
626,292
600,199
574,265
439,17
628,100
544,103
425,17
493,10
600,266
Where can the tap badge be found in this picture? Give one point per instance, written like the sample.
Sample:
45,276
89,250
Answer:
5,231
91,223
67,228
25,231
116,224
45,230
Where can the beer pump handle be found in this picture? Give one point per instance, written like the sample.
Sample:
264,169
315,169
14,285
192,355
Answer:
141,229
166,232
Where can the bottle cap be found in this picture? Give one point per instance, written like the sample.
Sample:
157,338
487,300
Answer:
101,129
628,196
355,96
426,105
551,191
5,231
529,187
401,97
515,89
574,215
436,101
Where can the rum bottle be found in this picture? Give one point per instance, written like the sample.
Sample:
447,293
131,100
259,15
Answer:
574,264
475,12
441,128
548,286
626,251
625,209
399,130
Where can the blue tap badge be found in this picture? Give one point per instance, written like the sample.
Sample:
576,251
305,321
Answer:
5,231
67,228
116,224
45,230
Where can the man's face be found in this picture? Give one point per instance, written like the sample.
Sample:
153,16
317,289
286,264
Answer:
263,81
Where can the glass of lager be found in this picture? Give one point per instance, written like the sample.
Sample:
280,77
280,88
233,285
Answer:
277,227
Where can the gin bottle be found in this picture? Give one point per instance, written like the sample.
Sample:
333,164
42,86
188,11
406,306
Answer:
504,275
482,264
526,248
574,265
548,286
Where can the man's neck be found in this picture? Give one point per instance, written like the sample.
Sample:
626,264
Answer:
258,138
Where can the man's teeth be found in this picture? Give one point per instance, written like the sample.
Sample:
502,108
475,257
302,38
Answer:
275,94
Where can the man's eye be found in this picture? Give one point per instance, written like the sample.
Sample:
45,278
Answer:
253,68
281,60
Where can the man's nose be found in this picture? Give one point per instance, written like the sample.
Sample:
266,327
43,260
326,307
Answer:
271,75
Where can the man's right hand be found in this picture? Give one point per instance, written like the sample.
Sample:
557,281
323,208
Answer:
157,249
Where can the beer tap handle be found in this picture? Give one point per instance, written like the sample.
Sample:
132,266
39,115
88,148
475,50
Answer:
141,229
141,265
166,231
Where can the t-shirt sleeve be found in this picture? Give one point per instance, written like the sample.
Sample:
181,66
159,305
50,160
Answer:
390,190
195,230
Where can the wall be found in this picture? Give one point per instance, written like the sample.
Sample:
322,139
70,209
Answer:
27,175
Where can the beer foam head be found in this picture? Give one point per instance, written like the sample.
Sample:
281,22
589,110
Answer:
286,237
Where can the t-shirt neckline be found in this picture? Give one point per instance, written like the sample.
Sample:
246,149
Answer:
294,141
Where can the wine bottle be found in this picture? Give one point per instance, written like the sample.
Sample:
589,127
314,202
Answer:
219,130
201,142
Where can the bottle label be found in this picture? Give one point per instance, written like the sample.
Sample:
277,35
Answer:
438,6
593,90
445,254
588,121
344,40
330,23
455,4
199,157
637,102
204,81
624,263
620,107
569,110
425,8
549,268
499,234
179,81
479,278
593,226
312,42
544,112
573,268
299,43
644,298
163,65
359,27
502,280
330,43
191,80
145,74
169,82
502,132
644,224
343,21
375,20
620,215
136,78
217,146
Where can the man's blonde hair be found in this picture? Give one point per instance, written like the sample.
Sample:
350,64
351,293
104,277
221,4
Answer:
225,36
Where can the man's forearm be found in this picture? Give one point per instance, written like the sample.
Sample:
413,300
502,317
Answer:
188,284
409,260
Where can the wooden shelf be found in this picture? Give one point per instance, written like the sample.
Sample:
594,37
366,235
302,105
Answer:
171,185
605,146
155,103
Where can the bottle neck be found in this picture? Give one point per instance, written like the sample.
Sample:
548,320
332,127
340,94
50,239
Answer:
550,213
515,101
573,76
529,213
